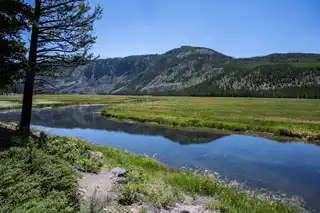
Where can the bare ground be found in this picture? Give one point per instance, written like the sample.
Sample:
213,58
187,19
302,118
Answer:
103,185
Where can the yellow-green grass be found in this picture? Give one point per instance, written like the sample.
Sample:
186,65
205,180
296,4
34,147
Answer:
165,186
285,117
10,102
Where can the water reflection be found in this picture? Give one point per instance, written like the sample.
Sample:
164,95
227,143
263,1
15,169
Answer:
85,117
293,168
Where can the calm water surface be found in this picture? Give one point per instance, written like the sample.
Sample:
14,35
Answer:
292,168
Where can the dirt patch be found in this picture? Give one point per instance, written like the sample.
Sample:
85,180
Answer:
89,183
101,188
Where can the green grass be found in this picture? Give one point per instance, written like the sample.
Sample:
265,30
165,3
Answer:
284,117
150,180
12,102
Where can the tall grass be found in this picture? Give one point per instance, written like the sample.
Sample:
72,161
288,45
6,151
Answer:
284,117
145,173
40,101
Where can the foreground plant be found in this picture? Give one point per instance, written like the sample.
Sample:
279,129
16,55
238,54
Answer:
39,175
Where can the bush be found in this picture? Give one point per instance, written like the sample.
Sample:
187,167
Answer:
73,151
38,175
33,181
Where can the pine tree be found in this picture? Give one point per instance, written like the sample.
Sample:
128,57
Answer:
61,36
13,19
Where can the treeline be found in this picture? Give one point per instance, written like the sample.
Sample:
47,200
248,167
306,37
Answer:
307,92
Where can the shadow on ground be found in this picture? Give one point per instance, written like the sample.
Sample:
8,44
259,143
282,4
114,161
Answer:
5,135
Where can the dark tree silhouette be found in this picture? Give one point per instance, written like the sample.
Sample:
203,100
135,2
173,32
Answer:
61,36
13,19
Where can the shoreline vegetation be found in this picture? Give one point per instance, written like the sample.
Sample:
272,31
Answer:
294,118
38,175
42,101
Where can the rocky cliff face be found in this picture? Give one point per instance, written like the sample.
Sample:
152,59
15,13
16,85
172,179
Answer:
189,68
173,70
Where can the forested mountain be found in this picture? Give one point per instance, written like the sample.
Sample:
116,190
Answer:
268,79
197,71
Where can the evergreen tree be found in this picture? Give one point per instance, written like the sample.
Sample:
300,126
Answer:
13,19
61,36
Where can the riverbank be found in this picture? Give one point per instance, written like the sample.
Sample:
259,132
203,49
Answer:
296,118
41,174
42,101
280,117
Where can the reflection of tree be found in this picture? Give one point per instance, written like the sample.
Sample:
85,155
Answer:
88,117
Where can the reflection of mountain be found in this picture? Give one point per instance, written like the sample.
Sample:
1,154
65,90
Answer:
89,117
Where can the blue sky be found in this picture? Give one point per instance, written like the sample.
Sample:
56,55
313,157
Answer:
239,28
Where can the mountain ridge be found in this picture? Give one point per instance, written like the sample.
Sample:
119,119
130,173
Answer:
187,70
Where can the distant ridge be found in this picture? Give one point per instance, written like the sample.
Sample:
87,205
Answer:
192,70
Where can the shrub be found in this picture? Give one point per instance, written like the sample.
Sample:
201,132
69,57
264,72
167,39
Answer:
38,175
73,151
33,181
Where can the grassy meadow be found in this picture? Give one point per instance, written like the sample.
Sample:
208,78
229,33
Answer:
283,117
12,102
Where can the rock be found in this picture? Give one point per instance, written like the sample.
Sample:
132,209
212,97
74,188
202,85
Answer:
43,135
183,208
121,180
119,172
97,155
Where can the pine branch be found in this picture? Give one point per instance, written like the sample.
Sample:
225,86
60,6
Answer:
48,8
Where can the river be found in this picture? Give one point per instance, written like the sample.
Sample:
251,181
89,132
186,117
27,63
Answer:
292,168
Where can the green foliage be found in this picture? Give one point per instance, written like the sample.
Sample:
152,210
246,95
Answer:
143,210
74,152
63,34
262,79
142,187
194,184
96,203
131,193
230,198
164,196
13,18
217,206
39,176
116,157
33,181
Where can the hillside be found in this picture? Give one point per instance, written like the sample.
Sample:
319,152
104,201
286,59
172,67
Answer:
197,71
262,79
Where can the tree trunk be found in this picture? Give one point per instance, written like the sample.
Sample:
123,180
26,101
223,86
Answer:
30,72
